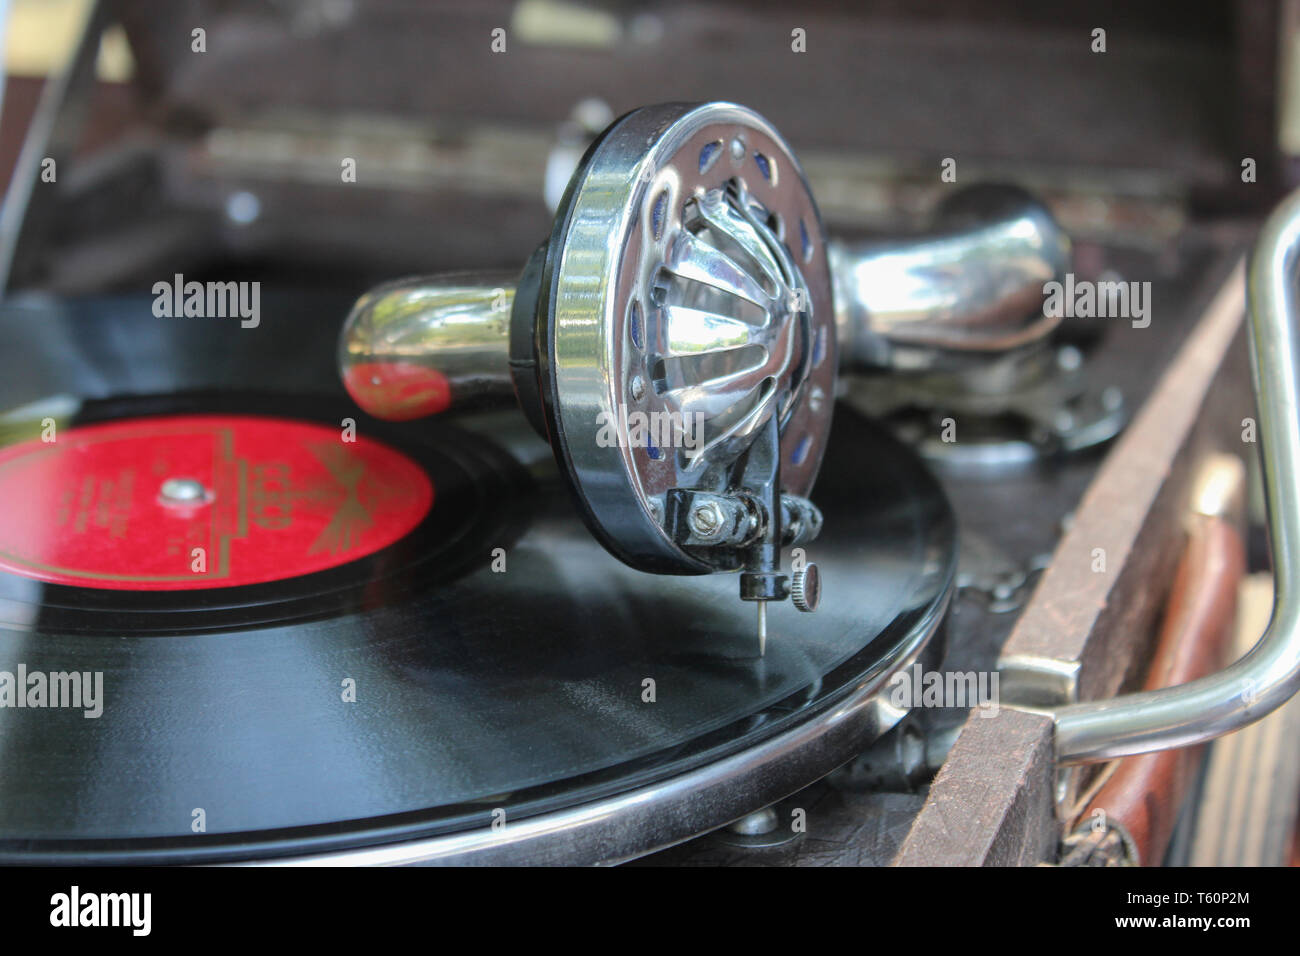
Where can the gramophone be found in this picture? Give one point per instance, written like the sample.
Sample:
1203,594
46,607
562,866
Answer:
688,280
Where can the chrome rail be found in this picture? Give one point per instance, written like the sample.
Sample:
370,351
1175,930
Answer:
1269,674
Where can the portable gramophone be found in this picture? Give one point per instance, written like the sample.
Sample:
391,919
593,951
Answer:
349,605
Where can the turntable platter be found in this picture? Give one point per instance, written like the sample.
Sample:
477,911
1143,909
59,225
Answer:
492,677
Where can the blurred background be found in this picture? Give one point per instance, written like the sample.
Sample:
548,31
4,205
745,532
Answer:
228,157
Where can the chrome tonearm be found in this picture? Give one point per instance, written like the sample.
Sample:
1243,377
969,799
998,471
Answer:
677,338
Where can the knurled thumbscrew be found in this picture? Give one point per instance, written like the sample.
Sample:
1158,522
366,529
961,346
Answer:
806,587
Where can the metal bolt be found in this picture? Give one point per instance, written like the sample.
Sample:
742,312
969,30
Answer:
706,519
637,388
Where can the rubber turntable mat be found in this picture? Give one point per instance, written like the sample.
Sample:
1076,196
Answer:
520,690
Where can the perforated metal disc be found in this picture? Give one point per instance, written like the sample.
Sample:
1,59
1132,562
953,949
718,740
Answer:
685,299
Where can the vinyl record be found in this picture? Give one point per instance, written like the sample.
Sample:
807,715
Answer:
304,515
487,675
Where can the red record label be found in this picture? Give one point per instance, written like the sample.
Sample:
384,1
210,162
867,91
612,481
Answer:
201,501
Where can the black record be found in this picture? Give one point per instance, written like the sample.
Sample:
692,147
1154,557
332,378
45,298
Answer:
478,691
481,492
